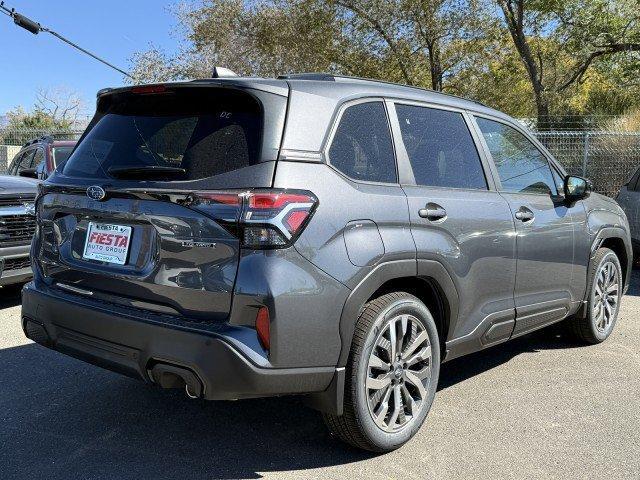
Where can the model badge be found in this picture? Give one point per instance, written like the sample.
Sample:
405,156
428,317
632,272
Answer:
96,192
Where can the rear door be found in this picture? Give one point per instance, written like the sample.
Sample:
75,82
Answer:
144,212
458,219
545,226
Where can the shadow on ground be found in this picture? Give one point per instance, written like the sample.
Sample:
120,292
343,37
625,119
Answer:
64,419
61,418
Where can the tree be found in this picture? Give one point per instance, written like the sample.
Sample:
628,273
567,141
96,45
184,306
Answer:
56,111
558,41
526,57
417,42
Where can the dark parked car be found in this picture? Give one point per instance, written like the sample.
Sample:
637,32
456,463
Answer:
17,226
331,237
629,200
40,157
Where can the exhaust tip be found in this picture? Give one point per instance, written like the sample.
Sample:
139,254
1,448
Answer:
174,376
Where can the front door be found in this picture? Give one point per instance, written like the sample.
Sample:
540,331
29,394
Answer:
459,220
544,290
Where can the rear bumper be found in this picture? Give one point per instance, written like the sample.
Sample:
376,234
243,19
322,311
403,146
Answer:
223,360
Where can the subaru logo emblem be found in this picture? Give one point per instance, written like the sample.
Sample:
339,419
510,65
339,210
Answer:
95,192
30,208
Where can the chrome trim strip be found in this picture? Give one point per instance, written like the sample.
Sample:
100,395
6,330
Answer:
70,288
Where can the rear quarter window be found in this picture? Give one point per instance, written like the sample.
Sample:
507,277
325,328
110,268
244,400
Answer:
361,147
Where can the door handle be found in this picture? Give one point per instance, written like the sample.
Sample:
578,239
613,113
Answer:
433,212
524,214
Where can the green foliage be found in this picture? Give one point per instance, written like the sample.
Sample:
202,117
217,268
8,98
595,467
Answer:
23,127
526,57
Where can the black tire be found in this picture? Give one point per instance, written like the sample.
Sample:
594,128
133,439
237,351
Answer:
585,329
357,426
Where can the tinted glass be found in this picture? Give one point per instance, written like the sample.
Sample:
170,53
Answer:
362,147
440,148
634,184
206,132
13,167
38,159
26,160
559,179
60,155
521,166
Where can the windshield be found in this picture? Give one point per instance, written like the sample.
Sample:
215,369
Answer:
200,133
60,155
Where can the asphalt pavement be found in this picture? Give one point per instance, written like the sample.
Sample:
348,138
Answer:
538,407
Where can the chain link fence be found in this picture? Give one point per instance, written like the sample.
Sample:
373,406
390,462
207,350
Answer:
12,140
20,136
607,158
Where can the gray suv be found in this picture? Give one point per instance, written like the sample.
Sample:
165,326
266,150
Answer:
314,235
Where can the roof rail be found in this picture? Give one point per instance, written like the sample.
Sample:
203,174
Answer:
327,77
332,78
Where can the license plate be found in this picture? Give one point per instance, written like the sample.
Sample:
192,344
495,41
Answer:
107,243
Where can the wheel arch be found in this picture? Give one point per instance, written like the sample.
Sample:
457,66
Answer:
429,281
616,239
399,275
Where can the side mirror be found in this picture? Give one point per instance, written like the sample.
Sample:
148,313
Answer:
576,188
28,172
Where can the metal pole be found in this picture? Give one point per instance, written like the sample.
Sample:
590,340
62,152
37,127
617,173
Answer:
85,51
585,157
35,28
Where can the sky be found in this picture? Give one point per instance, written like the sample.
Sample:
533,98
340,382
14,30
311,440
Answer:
113,30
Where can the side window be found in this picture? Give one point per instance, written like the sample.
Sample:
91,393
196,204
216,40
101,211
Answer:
440,148
25,161
634,184
521,166
13,167
362,148
38,159
557,177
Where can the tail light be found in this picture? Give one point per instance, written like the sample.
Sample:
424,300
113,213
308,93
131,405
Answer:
260,218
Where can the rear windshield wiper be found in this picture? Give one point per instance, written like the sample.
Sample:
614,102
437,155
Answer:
151,171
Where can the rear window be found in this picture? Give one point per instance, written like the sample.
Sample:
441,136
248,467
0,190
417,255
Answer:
204,132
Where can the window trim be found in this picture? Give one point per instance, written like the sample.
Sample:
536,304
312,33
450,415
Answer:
334,127
13,165
29,150
551,162
404,163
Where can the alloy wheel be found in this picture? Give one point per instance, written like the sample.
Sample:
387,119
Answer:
606,296
398,373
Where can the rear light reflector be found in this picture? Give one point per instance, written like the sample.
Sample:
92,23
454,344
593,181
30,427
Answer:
260,218
220,197
263,327
295,219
